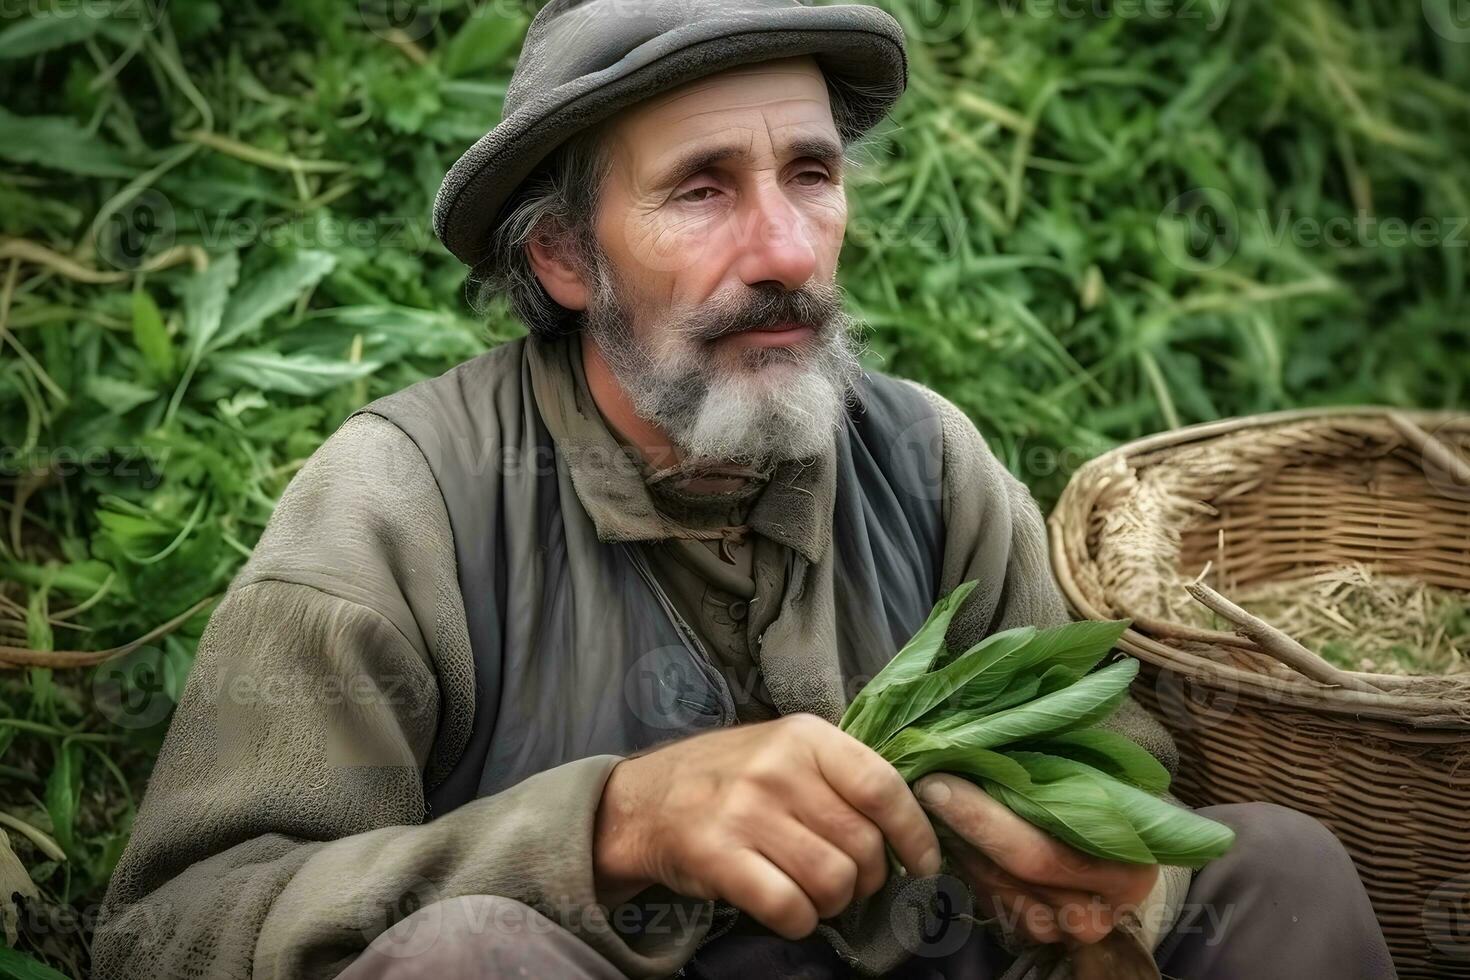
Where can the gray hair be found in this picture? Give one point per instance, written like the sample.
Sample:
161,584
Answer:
557,204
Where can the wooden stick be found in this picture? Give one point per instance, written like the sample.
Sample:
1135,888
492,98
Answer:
1271,640
1432,449
25,657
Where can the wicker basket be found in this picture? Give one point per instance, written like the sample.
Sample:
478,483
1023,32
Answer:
1382,760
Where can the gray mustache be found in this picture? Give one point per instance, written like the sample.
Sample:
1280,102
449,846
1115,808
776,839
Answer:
810,307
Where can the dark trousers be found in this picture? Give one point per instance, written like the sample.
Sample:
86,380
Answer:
1285,903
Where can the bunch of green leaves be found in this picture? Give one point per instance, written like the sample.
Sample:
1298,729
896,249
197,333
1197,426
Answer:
1015,713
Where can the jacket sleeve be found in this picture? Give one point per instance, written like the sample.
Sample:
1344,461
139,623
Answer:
284,826
995,533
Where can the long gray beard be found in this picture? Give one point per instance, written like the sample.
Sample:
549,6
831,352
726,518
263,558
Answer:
710,411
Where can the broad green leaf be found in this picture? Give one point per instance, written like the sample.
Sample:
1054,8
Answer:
915,754
1114,754
46,31
150,334
1058,677
1065,652
15,965
269,293
205,297
293,374
1172,834
60,143
1054,679
916,656
1002,664
1080,645
902,703
1020,690
116,396
1076,809
1085,703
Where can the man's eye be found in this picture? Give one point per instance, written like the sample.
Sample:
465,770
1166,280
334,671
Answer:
821,176
692,196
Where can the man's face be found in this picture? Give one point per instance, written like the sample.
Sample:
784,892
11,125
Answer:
714,298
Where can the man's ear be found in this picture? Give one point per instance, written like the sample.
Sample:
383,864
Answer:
561,278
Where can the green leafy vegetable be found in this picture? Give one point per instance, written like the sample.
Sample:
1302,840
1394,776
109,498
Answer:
906,701
1015,713
1077,809
1119,757
1086,702
1171,834
916,657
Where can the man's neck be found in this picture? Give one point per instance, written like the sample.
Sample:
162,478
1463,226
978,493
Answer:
651,441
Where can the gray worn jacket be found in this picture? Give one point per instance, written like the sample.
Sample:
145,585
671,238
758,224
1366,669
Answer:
447,636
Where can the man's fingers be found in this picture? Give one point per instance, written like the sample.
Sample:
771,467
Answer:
977,817
1081,916
1026,851
875,789
830,816
826,874
1025,914
749,881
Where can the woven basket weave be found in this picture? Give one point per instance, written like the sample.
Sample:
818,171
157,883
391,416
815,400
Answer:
1382,760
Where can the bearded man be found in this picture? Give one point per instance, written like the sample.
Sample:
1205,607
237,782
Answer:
535,670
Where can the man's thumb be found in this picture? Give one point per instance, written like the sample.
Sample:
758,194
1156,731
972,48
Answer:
934,791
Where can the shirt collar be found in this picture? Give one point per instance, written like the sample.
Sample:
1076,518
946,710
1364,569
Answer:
794,509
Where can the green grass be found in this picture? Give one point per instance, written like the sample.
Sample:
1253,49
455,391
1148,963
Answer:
216,245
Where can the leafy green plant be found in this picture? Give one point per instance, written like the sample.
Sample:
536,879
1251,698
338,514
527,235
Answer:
1014,713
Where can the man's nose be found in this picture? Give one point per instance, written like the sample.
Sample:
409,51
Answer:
778,243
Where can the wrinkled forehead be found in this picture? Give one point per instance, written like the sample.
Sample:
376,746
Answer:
767,107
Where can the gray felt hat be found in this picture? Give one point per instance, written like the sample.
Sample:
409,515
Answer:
583,60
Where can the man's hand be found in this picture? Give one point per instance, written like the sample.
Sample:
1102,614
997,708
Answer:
1052,891
783,819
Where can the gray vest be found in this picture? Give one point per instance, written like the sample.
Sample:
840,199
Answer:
577,649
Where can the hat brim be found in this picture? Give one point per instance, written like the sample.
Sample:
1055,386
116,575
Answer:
857,44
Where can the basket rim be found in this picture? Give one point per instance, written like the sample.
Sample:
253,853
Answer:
1421,713
1200,431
